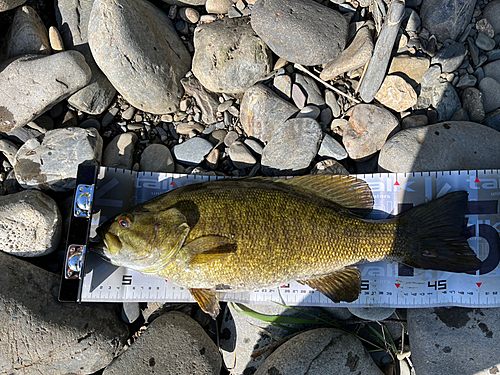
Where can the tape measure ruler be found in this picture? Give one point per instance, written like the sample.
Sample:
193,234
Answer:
384,284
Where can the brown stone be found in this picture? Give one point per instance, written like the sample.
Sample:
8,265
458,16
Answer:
396,94
412,66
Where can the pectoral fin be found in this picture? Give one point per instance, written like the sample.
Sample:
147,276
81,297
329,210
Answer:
207,249
207,299
343,285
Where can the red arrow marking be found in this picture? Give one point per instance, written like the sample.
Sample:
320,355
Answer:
172,183
396,183
477,180
397,285
479,284
166,280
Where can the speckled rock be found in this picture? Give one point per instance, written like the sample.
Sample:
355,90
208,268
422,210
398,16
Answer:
473,104
319,35
222,48
120,151
145,59
157,158
396,94
468,145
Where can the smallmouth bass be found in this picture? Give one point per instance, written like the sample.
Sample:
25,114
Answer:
252,233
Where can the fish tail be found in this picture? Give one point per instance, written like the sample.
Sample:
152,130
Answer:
436,235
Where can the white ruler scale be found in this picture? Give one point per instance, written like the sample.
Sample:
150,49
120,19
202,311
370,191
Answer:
383,284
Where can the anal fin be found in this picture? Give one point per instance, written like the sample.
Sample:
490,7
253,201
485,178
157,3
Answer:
208,301
342,285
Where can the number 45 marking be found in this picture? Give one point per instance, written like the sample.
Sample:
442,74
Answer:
437,285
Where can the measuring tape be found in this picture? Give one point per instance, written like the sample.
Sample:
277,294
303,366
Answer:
384,284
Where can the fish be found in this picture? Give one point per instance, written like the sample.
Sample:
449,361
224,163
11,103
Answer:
251,233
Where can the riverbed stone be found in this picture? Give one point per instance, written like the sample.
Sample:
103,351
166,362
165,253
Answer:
8,150
331,148
450,57
31,85
192,152
484,42
372,313
10,4
218,6
241,156
292,147
396,93
120,151
50,161
368,128
490,88
157,158
473,104
310,89
45,336
206,101
319,35
492,13
30,224
468,145
441,95
492,70
146,59
412,67
442,338
222,48
262,112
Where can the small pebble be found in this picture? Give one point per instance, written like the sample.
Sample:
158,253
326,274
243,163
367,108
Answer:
484,42
233,111
133,127
167,118
224,106
184,104
128,113
90,123
310,111
230,138
56,42
189,15
254,145
241,156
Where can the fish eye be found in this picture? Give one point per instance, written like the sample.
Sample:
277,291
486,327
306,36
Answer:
124,222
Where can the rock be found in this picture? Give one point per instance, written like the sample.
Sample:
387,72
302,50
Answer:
484,27
55,40
320,351
446,19
353,57
241,156
189,15
368,128
493,120
490,89
192,152
311,90
319,35
484,42
145,54
130,312
443,338
460,115
473,104
396,94
283,86
172,344
128,113
186,128
411,20
120,151
492,13
8,150
50,161
450,58
414,121
10,4
330,148
467,80
185,2
205,100
413,67
217,137
468,146
222,48
48,337
72,19
30,224
31,85
27,35
254,145
339,313
331,102
492,70
292,148
230,138
218,6
157,158
262,112
310,111
372,313
298,96
329,166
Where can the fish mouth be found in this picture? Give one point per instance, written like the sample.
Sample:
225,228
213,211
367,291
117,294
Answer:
99,248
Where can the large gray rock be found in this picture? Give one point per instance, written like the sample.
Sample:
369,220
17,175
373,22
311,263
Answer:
292,148
450,57
492,70
490,88
30,224
136,46
492,14
73,19
119,152
192,152
51,160
10,4
157,158
262,112
43,336
452,145
300,31
446,19
31,85
320,351
27,34
229,57
205,100
173,344
445,338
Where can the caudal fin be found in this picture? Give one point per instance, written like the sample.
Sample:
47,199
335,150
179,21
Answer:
437,232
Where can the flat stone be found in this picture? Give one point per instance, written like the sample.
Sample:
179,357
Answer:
310,89
451,57
492,13
368,128
492,70
331,148
411,21
72,18
241,156
189,14
468,145
187,351
319,35
207,101
484,42
283,86
222,48
446,19
50,161
48,337
320,351
443,338
31,85
254,145
490,89
298,96
309,111
55,40
157,158
230,138
493,55
146,52
192,152
412,67
414,121
129,113
467,80
185,128
473,104
30,224
120,151
262,112
372,313
292,147
353,57
27,35
332,103
218,6
396,94
326,116
130,312
10,4
217,136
